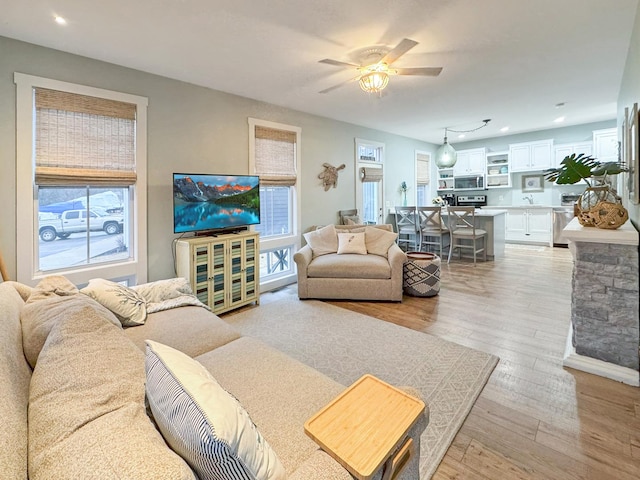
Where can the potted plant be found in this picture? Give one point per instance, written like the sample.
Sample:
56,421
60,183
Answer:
599,205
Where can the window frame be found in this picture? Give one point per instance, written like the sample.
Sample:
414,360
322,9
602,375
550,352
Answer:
378,162
280,241
131,271
425,186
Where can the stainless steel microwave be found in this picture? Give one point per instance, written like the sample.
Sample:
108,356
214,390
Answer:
469,183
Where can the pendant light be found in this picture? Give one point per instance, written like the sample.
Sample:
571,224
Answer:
446,155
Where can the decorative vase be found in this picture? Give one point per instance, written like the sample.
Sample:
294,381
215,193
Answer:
404,199
601,207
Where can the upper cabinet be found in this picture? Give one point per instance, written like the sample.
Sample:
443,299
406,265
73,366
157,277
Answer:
566,149
498,170
530,156
470,162
605,145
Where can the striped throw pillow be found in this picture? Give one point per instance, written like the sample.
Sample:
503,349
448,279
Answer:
202,422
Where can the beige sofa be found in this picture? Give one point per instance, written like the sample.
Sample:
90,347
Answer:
79,412
324,273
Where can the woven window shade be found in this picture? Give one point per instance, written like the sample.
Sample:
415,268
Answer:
422,168
84,140
275,156
370,174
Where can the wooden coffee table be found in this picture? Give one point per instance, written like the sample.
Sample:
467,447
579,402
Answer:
365,425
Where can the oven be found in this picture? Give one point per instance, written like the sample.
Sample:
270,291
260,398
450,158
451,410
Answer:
468,183
477,201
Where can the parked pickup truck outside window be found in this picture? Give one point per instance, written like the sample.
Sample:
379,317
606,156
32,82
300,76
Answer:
75,221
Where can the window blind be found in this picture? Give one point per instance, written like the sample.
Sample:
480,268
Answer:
370,174
275,156
422,168
83,140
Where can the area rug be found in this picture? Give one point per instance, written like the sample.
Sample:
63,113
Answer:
344,345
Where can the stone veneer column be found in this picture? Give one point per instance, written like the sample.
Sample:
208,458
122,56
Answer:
605,302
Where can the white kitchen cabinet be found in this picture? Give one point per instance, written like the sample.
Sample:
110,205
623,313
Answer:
529,225
530,156
566,149
605,145
470,162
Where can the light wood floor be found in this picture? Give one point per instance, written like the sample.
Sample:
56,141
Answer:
534,418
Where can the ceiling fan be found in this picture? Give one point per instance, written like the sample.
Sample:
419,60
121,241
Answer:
374,68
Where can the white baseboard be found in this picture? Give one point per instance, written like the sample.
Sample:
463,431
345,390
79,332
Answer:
598,367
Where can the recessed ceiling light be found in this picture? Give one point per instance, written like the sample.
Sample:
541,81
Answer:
60,20
504,129
462,135
559,120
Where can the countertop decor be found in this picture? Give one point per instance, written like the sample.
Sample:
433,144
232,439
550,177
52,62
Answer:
599,206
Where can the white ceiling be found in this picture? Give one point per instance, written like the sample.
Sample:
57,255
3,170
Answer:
508,60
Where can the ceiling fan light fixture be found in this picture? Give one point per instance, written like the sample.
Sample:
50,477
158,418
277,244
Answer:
375,80
446,155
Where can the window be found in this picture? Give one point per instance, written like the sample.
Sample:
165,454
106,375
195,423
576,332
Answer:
81,171
370,180
274,153
423,166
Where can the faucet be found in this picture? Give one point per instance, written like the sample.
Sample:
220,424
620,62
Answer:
530,198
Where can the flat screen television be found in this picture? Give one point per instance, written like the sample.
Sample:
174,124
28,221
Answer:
204,203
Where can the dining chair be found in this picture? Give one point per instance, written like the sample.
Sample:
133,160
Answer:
433,231
407,227
462,228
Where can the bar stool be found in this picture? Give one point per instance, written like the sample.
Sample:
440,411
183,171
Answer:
433,231
463,229
407,227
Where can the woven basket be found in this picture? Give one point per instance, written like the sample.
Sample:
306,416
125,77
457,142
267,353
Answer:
600,206
421,274
603,215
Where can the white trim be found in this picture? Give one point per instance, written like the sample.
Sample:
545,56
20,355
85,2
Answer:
26,201
294,238
598,367
373,164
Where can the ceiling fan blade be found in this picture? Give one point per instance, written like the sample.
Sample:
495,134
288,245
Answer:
337,63
327,90
403,47
424,71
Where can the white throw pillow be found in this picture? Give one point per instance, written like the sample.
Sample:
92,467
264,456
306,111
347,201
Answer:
351,243
202,422
378,241
127,304
323,240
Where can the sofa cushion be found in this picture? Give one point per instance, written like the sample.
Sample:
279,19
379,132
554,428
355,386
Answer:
202,422
39,317
128,305
167,294
87,416
379,241
192,330
349,266
351,243
15,375
280,395
52,286
322,241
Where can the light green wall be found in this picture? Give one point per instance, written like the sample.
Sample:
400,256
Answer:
193,129
630,94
